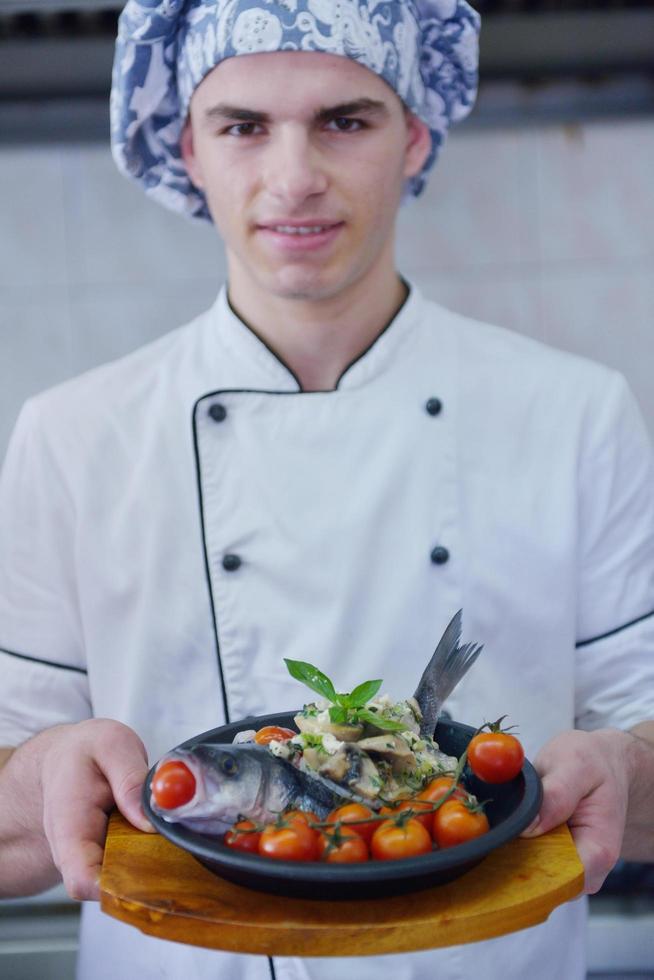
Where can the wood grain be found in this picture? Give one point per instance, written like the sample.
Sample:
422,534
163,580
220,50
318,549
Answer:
151,884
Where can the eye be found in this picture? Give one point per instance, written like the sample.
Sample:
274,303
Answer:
344,124
242,129
229,766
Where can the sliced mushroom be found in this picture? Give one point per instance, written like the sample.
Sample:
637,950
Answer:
335,766
391,747
345,733
312,725
363,775
387,745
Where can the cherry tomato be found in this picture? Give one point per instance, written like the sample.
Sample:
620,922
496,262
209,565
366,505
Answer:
456,822
270,732
173,785
344,846
243,836
415,804
289,841
437,788
355,811
392,841
307,817
496,757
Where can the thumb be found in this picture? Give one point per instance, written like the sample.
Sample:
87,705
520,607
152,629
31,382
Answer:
125,769
128,795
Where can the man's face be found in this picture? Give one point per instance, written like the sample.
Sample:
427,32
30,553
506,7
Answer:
302,158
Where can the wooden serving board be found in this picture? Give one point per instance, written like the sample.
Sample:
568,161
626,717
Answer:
162,890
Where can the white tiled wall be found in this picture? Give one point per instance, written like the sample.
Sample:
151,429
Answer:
549,231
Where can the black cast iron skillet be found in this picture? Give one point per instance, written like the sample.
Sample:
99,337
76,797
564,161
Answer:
510,808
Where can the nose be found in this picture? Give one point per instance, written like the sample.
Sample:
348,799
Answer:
294,169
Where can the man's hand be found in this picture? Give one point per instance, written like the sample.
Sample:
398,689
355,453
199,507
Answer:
588,781
62,784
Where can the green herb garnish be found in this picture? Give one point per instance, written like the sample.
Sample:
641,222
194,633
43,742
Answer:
347,709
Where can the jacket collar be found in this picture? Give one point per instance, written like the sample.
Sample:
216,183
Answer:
254,365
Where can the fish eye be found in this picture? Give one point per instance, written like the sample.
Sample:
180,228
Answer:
230,766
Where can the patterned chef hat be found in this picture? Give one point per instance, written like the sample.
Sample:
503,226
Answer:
426,50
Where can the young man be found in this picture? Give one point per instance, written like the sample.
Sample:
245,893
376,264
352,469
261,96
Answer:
323,466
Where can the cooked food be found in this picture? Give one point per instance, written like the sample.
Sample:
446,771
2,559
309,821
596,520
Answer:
357,747
375,763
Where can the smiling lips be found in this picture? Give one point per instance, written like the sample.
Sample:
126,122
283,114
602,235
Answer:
299,229
300,235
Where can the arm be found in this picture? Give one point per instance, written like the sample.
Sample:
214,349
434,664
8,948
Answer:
601,778
602,783
56,791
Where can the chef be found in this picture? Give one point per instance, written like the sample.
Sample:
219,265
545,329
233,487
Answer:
323,466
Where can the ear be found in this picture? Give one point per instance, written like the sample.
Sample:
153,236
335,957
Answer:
191,162
418,144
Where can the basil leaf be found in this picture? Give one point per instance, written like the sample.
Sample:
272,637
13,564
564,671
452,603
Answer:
372,718
363,693
312,677
338,715
343,700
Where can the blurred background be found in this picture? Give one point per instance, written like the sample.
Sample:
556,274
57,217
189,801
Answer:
538,217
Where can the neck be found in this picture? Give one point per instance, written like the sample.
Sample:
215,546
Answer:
317,340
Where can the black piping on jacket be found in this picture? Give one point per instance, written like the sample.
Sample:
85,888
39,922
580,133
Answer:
40,660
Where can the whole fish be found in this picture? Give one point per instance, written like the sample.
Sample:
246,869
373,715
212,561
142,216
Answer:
244,779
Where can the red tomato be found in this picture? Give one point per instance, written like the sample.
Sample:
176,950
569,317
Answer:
243,836
307,817
392,841
437,788
289,841
344,846
496,757
456,822
355,811
270,732
415,804
173,785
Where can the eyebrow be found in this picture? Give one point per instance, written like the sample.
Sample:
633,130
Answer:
360,107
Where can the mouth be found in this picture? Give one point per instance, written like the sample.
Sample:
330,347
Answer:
299,236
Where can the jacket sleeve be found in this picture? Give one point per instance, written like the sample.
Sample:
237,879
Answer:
42,664
615,625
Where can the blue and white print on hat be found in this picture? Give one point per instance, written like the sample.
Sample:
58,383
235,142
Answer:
426,50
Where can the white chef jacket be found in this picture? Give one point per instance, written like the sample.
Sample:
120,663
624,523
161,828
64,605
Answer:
175,523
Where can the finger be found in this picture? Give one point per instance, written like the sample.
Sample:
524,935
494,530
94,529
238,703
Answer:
597,854
76,828
560,797
596,828
81,866
127,789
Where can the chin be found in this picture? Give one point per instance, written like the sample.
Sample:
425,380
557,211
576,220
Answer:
317,283
304,287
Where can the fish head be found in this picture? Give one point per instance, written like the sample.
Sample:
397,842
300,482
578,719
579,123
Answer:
228,781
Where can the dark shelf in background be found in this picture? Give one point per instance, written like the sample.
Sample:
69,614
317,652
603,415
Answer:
540,61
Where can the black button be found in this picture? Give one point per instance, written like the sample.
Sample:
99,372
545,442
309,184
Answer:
218,412
439,555
434,406
231,563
